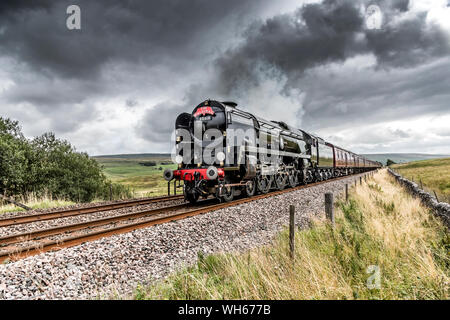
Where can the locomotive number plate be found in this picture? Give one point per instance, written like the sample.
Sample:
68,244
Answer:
207,118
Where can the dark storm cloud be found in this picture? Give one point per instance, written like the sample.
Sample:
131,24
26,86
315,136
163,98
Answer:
351,96
148,32
59,71
8,7
401,5
159,122
299,44
407,44
182,52
331,31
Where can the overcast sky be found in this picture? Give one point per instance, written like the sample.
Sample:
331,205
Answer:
117,85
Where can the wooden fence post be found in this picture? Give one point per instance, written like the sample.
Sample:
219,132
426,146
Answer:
437,199
168,188
360,180
291,231
329,208
346,192
175,187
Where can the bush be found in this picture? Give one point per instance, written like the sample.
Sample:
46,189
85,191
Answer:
390,162
47,164
148,163
119,191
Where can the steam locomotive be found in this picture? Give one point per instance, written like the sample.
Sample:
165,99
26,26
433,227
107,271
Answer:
224,151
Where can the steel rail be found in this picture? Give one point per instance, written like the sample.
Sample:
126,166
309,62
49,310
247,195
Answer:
26,236
70,241
79,211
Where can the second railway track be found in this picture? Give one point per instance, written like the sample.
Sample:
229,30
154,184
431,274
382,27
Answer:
74,234
79,211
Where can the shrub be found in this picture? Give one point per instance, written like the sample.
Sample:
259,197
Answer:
47,164
148,163
390,162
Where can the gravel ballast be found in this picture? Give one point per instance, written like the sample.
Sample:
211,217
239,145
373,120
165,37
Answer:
112,267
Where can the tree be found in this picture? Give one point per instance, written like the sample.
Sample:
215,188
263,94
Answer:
46,164
389,162
14,153
64,172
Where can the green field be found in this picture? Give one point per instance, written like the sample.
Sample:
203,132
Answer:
145,181
434,175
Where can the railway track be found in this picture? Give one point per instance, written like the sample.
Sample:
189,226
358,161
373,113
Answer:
79,211
18,246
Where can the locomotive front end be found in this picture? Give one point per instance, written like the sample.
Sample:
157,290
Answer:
200,150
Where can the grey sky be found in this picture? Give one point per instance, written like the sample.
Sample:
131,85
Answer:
117,85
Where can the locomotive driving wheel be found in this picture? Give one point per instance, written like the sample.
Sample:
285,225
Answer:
280,181
227,194
263,184
293,178
250,188
319,176
192,197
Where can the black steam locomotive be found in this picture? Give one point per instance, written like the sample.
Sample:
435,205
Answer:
224,151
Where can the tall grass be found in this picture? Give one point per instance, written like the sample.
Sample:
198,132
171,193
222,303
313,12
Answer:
380,228
31,200
45,200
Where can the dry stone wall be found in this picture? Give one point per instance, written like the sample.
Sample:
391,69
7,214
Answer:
440,209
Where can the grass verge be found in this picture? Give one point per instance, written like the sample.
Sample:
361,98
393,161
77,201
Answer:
382,234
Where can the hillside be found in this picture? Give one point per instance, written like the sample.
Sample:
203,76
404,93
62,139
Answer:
402,157
139,156
434,175
129,170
